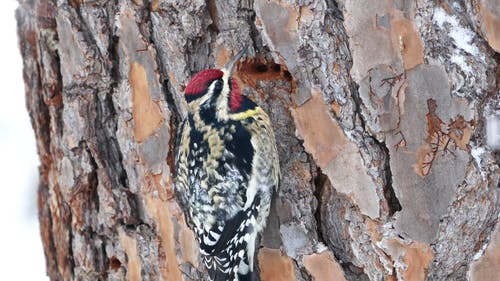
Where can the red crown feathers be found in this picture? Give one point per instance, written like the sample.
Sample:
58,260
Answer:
200,81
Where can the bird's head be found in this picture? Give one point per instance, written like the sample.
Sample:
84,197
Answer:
216,89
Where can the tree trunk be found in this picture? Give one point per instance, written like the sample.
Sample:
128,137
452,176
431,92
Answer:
379,110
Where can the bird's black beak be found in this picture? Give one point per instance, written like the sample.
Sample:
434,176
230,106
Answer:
229,66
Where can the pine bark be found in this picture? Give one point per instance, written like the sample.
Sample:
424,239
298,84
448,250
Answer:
379,109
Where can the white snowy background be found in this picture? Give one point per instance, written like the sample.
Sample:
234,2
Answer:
21,253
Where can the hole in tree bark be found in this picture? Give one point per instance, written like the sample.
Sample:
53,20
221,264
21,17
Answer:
260,69
114,263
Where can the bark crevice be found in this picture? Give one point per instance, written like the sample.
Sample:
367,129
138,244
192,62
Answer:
319,184
389,194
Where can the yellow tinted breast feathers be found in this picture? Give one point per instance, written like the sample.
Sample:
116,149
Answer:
246,114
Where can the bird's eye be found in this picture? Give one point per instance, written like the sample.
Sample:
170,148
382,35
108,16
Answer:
215,87
218,86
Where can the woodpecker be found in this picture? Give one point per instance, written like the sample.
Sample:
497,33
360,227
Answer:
227,169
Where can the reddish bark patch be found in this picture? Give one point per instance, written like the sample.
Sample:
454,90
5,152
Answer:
159,211
323,267
188,246
417,257
146,113
406,39
222,56
411,260
323,137
129,244
274,266
486,267
490,21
